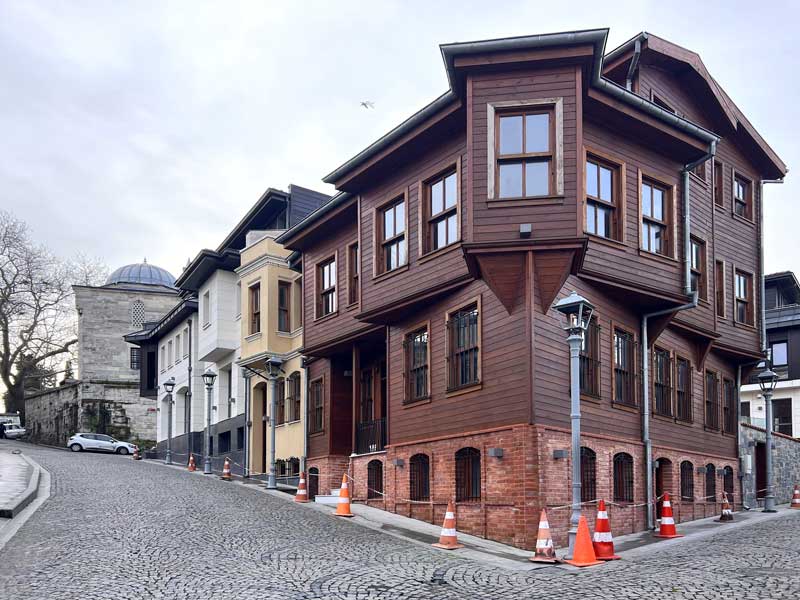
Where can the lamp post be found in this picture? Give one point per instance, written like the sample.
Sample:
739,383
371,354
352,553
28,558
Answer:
273,371
208,378
169,385
578,312
767,380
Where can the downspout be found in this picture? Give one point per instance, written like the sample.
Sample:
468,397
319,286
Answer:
307,388
247,425
637,51
188,414
687,289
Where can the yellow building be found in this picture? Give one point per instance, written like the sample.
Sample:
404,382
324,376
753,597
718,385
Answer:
269,292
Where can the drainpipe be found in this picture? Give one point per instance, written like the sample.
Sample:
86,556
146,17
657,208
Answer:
637,51
304,366
687,289
188,408
246,452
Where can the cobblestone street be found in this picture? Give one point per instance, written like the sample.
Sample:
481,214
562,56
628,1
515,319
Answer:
115,528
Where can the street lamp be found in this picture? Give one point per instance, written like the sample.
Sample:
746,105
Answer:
274,365
208,378
578,312
169,385
767,380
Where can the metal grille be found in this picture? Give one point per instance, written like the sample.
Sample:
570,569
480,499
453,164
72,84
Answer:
462,361
727,481
419,477
728,406
590,360
712,401
687,481
624,368
711,483
683,390
136,358
371,436
137,314
317,407
416,346
588,475
468,475
374,479
662,382
623,477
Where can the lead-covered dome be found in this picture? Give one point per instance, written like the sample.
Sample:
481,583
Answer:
141,274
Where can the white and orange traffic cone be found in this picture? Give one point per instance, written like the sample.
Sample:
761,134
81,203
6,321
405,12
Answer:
191,466
136,454
302,493
727,513
667,529
603,541
448,539
343,508
795,498
545,552
226,470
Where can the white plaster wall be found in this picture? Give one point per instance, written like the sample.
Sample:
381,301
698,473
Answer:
221,334
784,389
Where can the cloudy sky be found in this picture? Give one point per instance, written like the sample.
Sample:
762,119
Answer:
135,129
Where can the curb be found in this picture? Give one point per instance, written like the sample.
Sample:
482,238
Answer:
10,511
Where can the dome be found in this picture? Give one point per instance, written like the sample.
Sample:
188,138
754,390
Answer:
143,274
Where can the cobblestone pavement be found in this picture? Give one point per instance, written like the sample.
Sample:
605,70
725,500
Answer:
118,529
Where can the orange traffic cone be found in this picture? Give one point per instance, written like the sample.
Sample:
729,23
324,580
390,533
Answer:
603,542
343,508
667,529
727,513
226,470
136,454
795,498
448,539
302,493
544,542
191,465
583,554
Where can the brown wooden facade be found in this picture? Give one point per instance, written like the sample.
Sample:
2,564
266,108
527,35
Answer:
512,257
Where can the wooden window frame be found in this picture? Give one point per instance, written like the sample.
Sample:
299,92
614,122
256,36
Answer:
661,103
720,289
686,478
557,137
374,486
633,371
689,391
408,396
419,486
380,243
715,403
588,474
293,399
312,408
700,172
353,273
669,223
748,200
627,485
320,292
428,220
287,309
254,308
702,270
751,301
280,401
719,184
524,158
668,386
728,424
710,469
618,204
590,361
453,390
468,455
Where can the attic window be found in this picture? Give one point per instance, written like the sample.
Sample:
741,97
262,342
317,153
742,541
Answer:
137,314
657,100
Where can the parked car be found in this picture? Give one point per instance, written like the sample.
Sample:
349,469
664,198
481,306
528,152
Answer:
99,441
14,432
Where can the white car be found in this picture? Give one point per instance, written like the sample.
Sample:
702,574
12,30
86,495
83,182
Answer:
98,441
14,432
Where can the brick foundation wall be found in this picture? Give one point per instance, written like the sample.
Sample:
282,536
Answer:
331,468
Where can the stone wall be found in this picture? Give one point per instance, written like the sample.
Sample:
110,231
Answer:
785,463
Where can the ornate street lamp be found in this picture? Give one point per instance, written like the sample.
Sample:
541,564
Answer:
274,371
209,377
767,380
578,312
169,385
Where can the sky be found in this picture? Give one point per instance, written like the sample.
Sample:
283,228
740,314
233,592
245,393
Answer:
147,129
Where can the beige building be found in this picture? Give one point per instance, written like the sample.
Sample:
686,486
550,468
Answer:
270,295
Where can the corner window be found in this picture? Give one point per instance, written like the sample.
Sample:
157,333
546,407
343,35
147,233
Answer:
441,211
590,360
719,174
463,344
712,400
317,407
603,198
698,266
656,220
326,287
742,197
255,308
624,368
392,247
525,153
744,298
353,270
417,368
284,304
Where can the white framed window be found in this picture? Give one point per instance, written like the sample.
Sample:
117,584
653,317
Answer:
207,308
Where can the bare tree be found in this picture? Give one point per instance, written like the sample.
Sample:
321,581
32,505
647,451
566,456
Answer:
36,318
87,270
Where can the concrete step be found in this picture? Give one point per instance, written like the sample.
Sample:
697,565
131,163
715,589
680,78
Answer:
320,499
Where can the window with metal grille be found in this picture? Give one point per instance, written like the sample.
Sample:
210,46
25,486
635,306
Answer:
463,343
419,477
416,347
623,477
687,481
712,400
590,360
137,314
728,406
468,475
293,399
284,300
588,475
711,483
317,406
683,390
136,358
624,368
662,382
374,479
280,402
727,482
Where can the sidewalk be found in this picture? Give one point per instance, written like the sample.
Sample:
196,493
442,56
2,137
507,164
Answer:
19,479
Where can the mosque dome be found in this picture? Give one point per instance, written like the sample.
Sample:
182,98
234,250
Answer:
141,274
